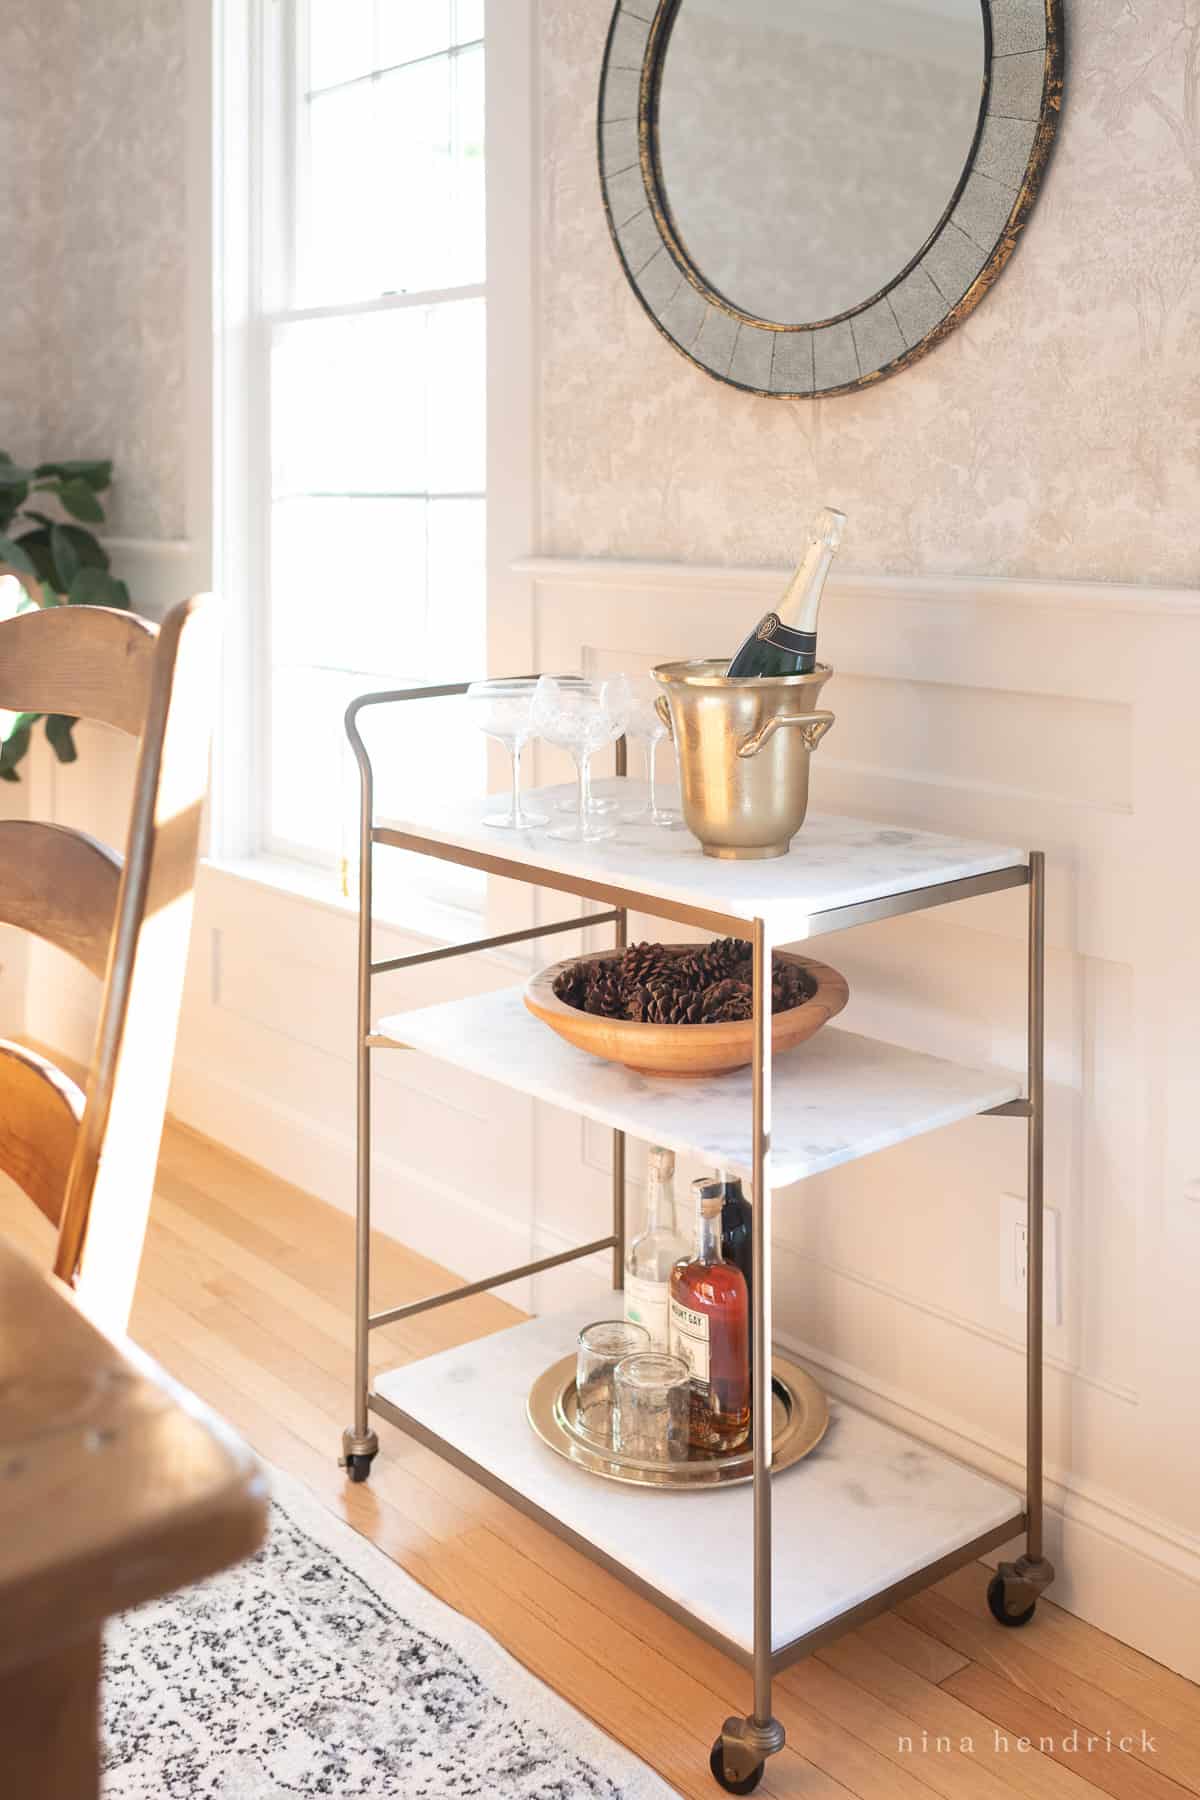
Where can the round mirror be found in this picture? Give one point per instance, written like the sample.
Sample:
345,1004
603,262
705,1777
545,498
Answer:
808,195
808,148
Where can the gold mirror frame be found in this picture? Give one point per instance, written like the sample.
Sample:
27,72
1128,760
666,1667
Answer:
935,291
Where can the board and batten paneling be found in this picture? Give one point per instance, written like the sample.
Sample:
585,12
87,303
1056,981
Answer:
1048,714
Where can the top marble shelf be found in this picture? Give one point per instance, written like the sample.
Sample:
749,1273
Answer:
839,871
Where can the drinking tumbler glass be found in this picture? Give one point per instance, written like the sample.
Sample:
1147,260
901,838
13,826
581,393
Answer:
651,1398
601,1348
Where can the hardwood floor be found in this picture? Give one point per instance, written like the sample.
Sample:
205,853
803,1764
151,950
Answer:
245,1296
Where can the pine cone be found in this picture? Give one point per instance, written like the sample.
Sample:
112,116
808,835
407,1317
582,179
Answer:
702,984
640,961
724,958
569,986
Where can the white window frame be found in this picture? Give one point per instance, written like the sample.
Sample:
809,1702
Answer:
244,55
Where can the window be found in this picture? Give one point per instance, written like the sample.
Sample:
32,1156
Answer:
371,373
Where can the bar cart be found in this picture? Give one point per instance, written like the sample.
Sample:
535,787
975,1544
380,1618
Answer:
874,1515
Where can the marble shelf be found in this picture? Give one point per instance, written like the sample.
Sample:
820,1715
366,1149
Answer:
838,1097
868,1509
834,863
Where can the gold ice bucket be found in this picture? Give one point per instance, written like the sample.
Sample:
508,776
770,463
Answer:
744,747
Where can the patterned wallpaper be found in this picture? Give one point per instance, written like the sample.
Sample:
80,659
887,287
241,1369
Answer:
19,108
1056,434
94,354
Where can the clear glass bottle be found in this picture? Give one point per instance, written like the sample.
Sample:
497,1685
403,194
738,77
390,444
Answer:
784,642
654,1252
710,1330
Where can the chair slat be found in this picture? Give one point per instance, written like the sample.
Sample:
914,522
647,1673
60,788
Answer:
112,1174
40,1110
90,662
61,885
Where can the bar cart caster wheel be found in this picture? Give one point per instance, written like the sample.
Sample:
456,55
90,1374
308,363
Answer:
746,1785
998,1608
358,1467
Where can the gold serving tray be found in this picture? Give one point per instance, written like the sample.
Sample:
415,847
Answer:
801,1414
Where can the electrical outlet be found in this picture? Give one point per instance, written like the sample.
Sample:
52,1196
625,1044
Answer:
1015,1259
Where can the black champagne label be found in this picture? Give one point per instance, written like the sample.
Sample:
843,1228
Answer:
774,630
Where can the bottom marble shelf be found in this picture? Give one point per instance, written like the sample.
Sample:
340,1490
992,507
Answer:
869,1508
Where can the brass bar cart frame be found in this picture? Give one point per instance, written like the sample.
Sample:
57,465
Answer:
743,1743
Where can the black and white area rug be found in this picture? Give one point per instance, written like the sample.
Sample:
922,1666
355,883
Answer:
320,1667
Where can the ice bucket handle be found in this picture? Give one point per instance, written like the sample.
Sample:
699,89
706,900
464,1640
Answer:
663,709
813,726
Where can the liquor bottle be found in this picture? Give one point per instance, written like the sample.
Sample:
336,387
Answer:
654,1252
737,1242
710,1331
784,642
737,1228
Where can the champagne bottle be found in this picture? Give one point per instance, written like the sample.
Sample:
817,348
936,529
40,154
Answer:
784,642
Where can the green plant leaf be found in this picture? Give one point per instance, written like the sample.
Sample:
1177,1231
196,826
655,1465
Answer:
89,549
80,501
96,587
36,545
58,734
66,558
16,556
12,476
96,471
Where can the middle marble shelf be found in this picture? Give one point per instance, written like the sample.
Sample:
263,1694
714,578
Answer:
836,1098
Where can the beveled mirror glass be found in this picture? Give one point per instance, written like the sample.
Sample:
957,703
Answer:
807,195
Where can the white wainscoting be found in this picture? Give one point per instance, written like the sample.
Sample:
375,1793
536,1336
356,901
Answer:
1057,715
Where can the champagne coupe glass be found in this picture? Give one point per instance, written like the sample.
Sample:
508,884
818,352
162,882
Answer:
504,710
640,720
577,716
597,803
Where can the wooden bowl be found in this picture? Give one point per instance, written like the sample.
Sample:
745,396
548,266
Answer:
683,1050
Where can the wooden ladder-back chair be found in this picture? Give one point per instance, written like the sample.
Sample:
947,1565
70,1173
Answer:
87,1158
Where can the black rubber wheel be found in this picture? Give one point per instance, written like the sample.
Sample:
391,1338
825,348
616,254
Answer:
746,1785
998,1610
358,1467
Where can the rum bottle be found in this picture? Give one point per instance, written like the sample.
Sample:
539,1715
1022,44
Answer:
784,642
710,1331
654,1252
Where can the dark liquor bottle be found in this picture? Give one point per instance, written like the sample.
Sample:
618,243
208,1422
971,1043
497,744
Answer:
710,1331
737,1239
784,642
737,1228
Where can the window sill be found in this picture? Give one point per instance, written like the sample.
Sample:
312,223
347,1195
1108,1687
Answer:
415,915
